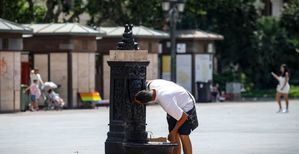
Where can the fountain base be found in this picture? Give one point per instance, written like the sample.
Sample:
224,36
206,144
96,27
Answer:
149,148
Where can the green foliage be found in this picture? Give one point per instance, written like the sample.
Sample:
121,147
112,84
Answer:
230,76
257,44
115,13
12,9
269,43
270,93
290,21
259,93
290,17
271,46
294,91
21,11
147,13
234,19
247,83
222,79
39,13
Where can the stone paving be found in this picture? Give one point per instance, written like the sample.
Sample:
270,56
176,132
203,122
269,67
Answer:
225,128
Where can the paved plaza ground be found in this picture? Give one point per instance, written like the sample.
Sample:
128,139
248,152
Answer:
225,128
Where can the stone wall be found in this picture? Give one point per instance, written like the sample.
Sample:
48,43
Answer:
10,79
104,45
84,44
60,43
106,77
153,67
83,74
152,45
41,63
59,73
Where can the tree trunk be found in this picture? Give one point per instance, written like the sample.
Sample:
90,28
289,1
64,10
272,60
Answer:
31,11
50,14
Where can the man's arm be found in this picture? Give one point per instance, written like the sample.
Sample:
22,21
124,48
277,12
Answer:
169,104
174,131
179,123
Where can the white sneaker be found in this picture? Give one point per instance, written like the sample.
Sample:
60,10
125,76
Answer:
285,111
279,110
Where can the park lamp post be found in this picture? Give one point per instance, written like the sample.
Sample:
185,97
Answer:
173,8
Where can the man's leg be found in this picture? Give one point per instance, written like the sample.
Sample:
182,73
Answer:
171,124
187,146
177,149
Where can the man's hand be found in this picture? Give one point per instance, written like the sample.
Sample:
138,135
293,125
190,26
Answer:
172,136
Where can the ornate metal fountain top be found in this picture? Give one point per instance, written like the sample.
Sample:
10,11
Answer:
128,42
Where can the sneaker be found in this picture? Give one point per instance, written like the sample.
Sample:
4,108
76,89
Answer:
285,111
279,110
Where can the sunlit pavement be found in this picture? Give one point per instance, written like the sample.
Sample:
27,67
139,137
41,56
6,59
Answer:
225,128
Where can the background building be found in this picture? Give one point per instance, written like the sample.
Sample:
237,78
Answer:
75,57
64,54
11,46
195,57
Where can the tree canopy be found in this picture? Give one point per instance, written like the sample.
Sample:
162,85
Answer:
256,43
100,12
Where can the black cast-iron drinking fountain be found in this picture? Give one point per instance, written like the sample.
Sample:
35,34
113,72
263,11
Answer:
127,128
128,42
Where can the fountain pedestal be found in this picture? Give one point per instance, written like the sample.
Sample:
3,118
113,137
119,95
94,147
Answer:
127,128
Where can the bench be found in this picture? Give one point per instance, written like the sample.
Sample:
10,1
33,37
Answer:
93,99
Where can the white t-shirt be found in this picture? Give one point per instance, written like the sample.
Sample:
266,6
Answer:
173,98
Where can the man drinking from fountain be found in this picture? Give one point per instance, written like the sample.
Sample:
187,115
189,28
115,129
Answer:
180,107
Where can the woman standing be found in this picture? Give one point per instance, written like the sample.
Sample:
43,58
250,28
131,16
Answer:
283,87
34,75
